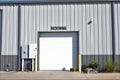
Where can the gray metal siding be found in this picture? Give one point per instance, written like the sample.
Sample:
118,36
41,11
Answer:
9,37
8,59
102,59
117,31
9,29
38,18
95,40
96,37
117,28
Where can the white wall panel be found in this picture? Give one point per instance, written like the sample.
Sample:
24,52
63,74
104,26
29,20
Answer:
48,17
37,15
72,18
30,24
68,16
108,30
80,29
41,18
76,22
100,29
96,28
9,29
60,11
26,24
22,26
92,27
88,28
117,27
33,26
55,15
3,30
95,38
64,15
103,30
45,22
84,29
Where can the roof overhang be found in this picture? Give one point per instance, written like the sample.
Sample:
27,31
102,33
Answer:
54,1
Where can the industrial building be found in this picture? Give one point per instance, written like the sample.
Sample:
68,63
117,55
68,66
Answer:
58,34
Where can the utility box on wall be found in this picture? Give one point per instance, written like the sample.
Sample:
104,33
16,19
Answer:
32,50
24,51
29,57
29,51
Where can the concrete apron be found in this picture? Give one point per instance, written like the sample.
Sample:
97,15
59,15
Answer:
57,75
42,75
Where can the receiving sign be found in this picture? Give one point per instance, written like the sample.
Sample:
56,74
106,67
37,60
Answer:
58,28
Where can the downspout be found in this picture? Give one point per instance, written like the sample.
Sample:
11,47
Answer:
19,30
113,31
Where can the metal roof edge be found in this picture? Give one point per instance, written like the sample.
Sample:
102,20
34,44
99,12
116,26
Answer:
56,1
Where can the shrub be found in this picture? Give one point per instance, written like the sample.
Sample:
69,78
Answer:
93,64
118,70
111,66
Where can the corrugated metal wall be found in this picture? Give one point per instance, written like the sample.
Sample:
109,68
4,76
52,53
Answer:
9,29
95,38
9,36
117,31
95,41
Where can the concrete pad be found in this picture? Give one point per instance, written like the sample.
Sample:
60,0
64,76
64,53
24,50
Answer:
103,76
57,75
42,75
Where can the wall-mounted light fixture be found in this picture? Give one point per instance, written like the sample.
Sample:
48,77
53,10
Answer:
90,21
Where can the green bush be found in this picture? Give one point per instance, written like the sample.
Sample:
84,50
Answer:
118,70
93,64
111,66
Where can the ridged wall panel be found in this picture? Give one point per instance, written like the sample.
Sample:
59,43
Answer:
9,29
9,38
117,28
95,38
117,31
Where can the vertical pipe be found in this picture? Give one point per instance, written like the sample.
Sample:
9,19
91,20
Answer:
19,48
0,37
113,31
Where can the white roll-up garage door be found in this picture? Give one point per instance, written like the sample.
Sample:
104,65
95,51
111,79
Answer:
58,51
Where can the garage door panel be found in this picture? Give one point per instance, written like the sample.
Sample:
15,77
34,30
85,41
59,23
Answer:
56,51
